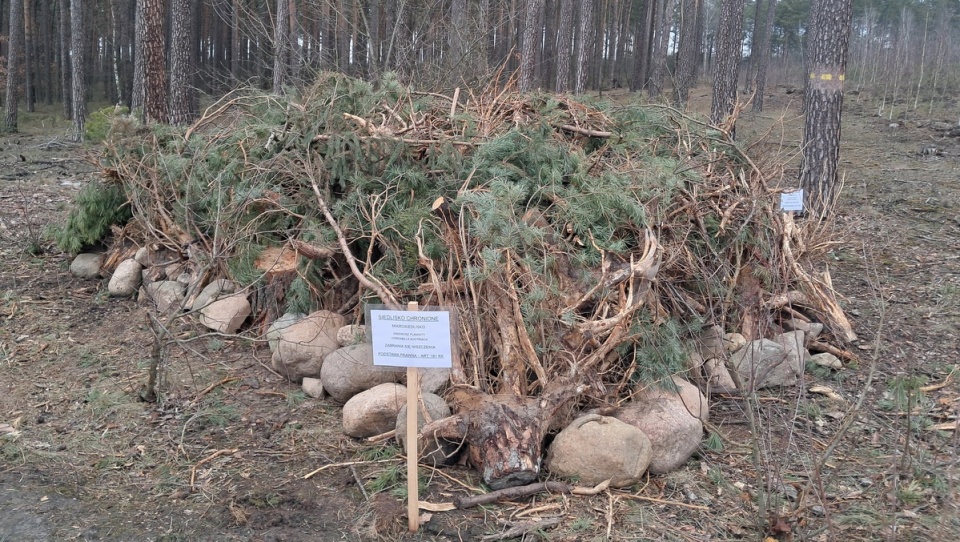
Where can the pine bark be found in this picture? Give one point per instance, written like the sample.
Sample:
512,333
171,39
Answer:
65,68
729,46
138,97
755,39
661,44
565,46
688,53
644,38
155,85
281,46
182,88
79,82
530,48
14,55
584,45
824,99
763,59
29,57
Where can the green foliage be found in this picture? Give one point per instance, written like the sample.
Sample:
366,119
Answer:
100,122
97,207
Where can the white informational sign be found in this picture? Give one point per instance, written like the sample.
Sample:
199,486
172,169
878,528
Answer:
792,201
411,338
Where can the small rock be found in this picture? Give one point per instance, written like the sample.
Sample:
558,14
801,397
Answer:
350,370
86,266
313,387
185,279
173,270
432,450
278,325
153,274
826,359
718,377
373,411
351,334
226,315
126,279
733,342
142,255
212,291
671,420
596,448
811,330
302,346
709,343
434,380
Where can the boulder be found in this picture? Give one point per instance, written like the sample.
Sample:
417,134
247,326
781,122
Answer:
733,342
765,363
226,315
718,379
434,380
166,295
595,448
373,411
86,266
432,450
126,279
278,325
351,334
709,343
350,370
211,292
302,346
793,345
671,420
313,387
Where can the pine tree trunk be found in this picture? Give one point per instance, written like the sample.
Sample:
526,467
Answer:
531,42
660,52
687,53
281,46
235,70
729,47
65,69
584,45
29,57
644,38
824,99
565,46
14,54
182,88
155,84
138,97
755,41
764,58
46,53
79,68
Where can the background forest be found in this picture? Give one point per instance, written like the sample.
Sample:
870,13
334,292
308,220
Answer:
902,52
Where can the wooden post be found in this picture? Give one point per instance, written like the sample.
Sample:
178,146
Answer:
413,443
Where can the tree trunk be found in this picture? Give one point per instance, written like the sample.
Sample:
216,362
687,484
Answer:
755,41
764,57
46,53
583,45
824,99
29,57
810,38
79,68
687,55
281,46
729,47
660,52
138,97
155,85
644,39
182,88
14,54
65,68
565,46
530,47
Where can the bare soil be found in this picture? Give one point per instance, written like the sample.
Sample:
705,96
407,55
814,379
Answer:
226,453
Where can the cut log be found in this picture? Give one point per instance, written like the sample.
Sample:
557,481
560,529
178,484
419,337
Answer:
504,433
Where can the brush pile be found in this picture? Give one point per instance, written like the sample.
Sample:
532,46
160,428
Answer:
579,243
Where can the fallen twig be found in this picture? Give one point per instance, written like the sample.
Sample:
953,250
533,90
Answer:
209,458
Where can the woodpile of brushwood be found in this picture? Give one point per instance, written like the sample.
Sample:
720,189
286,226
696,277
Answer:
579,243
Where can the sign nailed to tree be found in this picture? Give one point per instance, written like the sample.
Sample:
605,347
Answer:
411,338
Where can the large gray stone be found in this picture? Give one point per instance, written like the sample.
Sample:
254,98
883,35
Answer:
765,363
211,292
126,279
86,266
302,346
166,295
596,448
350,370
432,450
373,411
226,315
671,420
278,325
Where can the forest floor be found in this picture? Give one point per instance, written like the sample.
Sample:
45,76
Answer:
226,454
